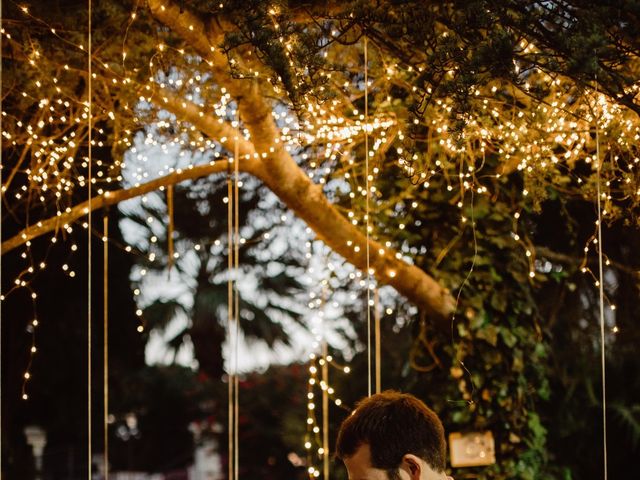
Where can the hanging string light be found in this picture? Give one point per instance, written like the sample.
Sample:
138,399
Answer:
236,310
367,214
600,285
32,351
105,340
170,254
230,324
324,384
377,349
233,300
316,441
1,216
89,238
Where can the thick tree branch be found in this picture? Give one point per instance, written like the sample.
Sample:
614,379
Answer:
216,129
112,198
205,39
278,170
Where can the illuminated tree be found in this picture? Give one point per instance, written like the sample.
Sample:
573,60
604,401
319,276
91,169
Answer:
471,114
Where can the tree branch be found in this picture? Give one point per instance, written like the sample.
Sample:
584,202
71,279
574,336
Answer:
575,261
278,170
112,198
216,129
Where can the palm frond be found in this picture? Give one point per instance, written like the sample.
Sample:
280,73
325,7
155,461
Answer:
160,312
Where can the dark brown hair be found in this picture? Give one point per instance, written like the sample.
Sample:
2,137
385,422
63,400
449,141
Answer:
393,424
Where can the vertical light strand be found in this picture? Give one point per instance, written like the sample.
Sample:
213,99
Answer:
170,230
325,405
230,316
1,201
376,316
89,220
601,295
236,310
366,168
105,340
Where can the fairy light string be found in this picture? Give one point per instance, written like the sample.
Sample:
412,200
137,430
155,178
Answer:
33,328
233,300
105,340
378,354
323,451
170,246
470,400
601,289
230,319
316,440
236,310
367,221
1,202
325,406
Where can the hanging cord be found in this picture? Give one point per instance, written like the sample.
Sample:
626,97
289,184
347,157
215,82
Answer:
366,168
324,384
601,293
376,316
236,310
171,227
105,340
1,200
230,317
325,406
90,218
471,400
233,300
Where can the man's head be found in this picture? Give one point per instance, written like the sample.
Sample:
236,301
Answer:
390,433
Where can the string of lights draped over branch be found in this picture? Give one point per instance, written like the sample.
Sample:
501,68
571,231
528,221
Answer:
163,48
516,140
390,269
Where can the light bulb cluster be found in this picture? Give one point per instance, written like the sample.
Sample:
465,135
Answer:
508,141
24,281
333,127
592,243
313,443
32,327
323,302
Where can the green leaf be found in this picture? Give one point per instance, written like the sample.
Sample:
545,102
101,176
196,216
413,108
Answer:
489,334
508,338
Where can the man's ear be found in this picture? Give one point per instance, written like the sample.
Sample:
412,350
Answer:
412,465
